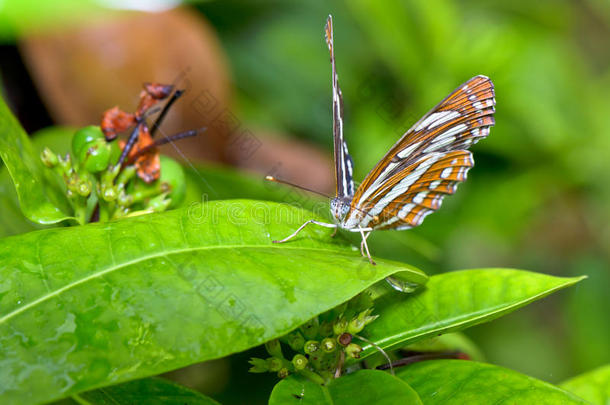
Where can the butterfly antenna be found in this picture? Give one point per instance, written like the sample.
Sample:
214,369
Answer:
276,180
133,137
383,353
169,139
177,94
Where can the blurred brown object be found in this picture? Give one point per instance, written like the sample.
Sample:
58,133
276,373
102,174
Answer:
289,159
82,71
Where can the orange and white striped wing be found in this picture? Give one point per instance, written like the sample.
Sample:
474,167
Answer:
427,163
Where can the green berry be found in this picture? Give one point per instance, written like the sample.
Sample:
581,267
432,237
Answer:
95,156
85,136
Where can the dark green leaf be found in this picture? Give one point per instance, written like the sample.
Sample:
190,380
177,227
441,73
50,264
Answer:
455,301
148,391
99,304
593,386
40,195
467,382
362,387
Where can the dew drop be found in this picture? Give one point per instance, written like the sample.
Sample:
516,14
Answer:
401,285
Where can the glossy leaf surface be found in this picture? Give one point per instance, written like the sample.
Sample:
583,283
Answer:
455,301
99,304
148,391
451,382
593,386
362,387
40,195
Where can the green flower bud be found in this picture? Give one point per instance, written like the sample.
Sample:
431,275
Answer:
357,323
49,158
124,199
274,348
274,364
159,203
66,165
109,193
353,350
126,175
311,346
283,373
326,329
299,362
84,188
340,325
310,328
328,345
295,340
258,365
355,326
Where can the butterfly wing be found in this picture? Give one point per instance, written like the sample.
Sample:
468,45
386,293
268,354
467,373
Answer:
427,163
343,161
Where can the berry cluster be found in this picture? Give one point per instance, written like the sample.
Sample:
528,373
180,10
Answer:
321,345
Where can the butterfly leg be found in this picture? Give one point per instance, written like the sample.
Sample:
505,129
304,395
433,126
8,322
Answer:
311,221
364,247
334,232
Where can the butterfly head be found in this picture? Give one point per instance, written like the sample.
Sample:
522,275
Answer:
339,207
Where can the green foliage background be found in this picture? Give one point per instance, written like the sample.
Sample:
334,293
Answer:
538,196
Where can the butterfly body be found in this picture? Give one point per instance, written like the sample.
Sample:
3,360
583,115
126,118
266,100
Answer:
424,166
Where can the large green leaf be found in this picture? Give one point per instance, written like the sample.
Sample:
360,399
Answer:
89,306
593,386
148,391
40,195
455,301
12,220
451,382
362,387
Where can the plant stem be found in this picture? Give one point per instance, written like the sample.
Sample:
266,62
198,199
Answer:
312,376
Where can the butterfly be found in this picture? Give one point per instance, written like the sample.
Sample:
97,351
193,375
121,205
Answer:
418,172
